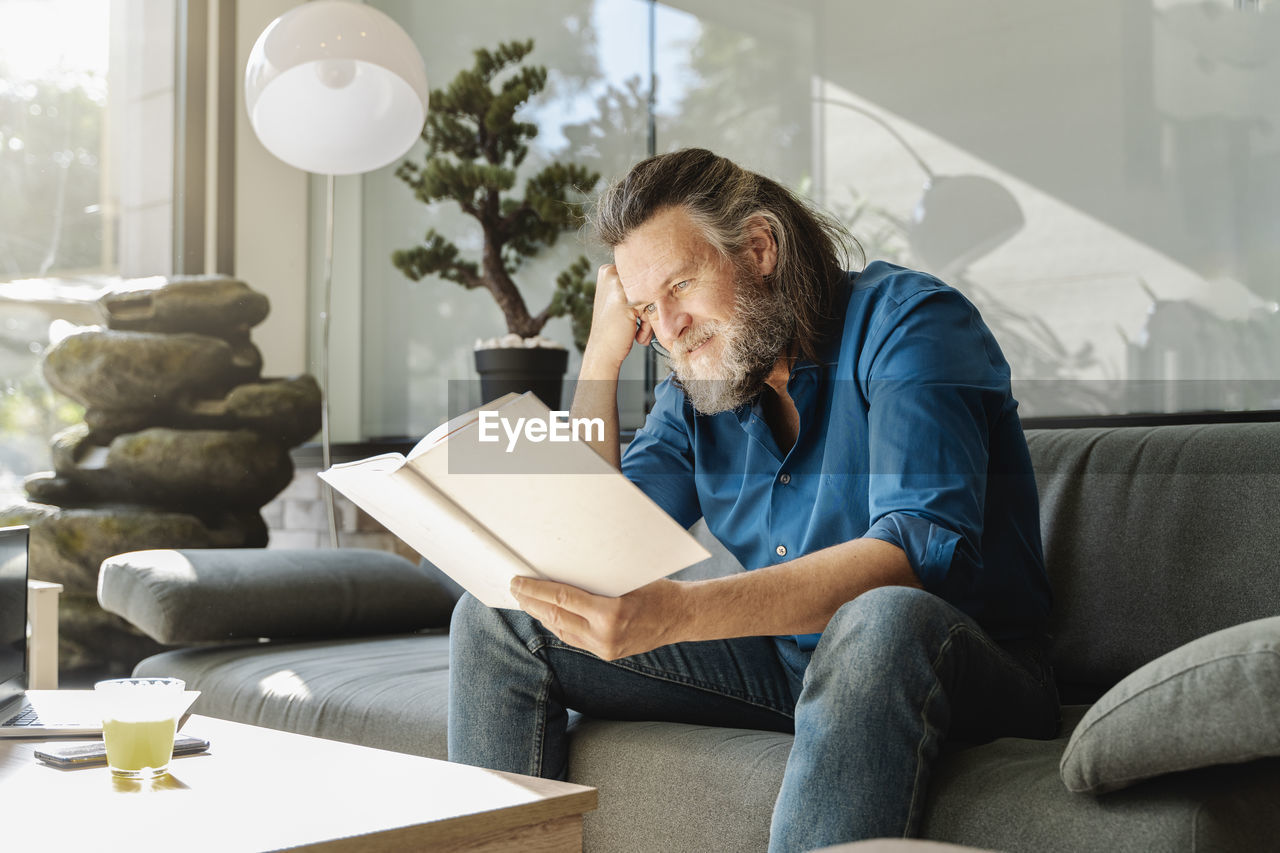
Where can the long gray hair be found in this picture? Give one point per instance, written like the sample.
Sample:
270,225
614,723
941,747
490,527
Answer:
723,199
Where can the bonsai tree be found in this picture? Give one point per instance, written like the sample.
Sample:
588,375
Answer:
474,146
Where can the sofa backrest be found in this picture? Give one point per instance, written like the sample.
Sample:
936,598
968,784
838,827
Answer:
1154,536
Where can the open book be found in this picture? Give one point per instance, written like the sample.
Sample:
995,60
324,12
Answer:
507,490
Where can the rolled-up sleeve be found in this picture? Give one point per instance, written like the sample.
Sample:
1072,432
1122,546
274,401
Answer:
934,383
659,460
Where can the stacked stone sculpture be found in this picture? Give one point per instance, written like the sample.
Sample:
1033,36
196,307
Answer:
182,444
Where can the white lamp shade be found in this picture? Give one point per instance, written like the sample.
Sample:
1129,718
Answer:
336,88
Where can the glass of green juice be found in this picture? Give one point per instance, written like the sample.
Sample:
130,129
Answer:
139,719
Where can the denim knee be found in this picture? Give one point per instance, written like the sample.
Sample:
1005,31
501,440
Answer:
469,617
891,621
477,625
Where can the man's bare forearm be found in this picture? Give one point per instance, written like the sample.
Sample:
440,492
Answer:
796,597
799,597
615,329
596,396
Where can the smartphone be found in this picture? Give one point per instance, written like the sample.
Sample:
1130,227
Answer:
95,752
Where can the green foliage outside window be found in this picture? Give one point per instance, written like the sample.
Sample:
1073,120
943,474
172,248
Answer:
50,172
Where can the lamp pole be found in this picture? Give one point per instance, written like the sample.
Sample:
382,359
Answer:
326,297
359,105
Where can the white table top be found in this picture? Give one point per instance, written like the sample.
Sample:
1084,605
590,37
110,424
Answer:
260,789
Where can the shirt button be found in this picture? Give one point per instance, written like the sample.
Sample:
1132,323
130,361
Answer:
784,479
781,550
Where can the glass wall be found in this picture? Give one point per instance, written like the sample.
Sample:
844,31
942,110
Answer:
597,110
86,179
1124,161
1100,178
419,335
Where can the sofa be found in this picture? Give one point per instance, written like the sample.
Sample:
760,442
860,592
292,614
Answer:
1162,546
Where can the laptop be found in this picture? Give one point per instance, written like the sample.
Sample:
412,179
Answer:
35,713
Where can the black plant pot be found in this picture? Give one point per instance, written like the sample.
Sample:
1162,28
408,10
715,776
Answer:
536,369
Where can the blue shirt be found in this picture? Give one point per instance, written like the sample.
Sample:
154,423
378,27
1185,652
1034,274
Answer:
909,433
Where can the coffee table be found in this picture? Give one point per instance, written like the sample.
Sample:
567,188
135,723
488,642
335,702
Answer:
260,789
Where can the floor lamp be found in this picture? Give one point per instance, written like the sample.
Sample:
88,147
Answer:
335,88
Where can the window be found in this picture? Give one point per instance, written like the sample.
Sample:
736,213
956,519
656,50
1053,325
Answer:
58,216
602,57
1112,173
416,336
86,174
1134,141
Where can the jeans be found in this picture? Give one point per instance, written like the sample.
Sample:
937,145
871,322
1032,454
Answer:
896,671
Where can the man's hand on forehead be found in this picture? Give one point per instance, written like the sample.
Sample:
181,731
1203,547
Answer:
613,326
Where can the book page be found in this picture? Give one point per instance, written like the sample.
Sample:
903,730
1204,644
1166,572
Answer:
454,424
383,463
571,515
412,509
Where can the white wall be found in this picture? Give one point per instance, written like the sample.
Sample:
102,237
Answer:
271,218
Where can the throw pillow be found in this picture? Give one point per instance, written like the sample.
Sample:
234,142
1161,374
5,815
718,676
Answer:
1211,701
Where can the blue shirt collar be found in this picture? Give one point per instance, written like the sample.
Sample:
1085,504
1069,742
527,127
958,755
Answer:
829,350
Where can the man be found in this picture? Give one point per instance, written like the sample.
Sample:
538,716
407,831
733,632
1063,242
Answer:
852,440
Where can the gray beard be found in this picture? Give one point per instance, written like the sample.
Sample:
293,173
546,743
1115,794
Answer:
761,329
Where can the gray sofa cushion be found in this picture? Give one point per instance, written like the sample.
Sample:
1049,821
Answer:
1213,701
1141,524
1007,795
672,786
191,596
385,692
667,786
